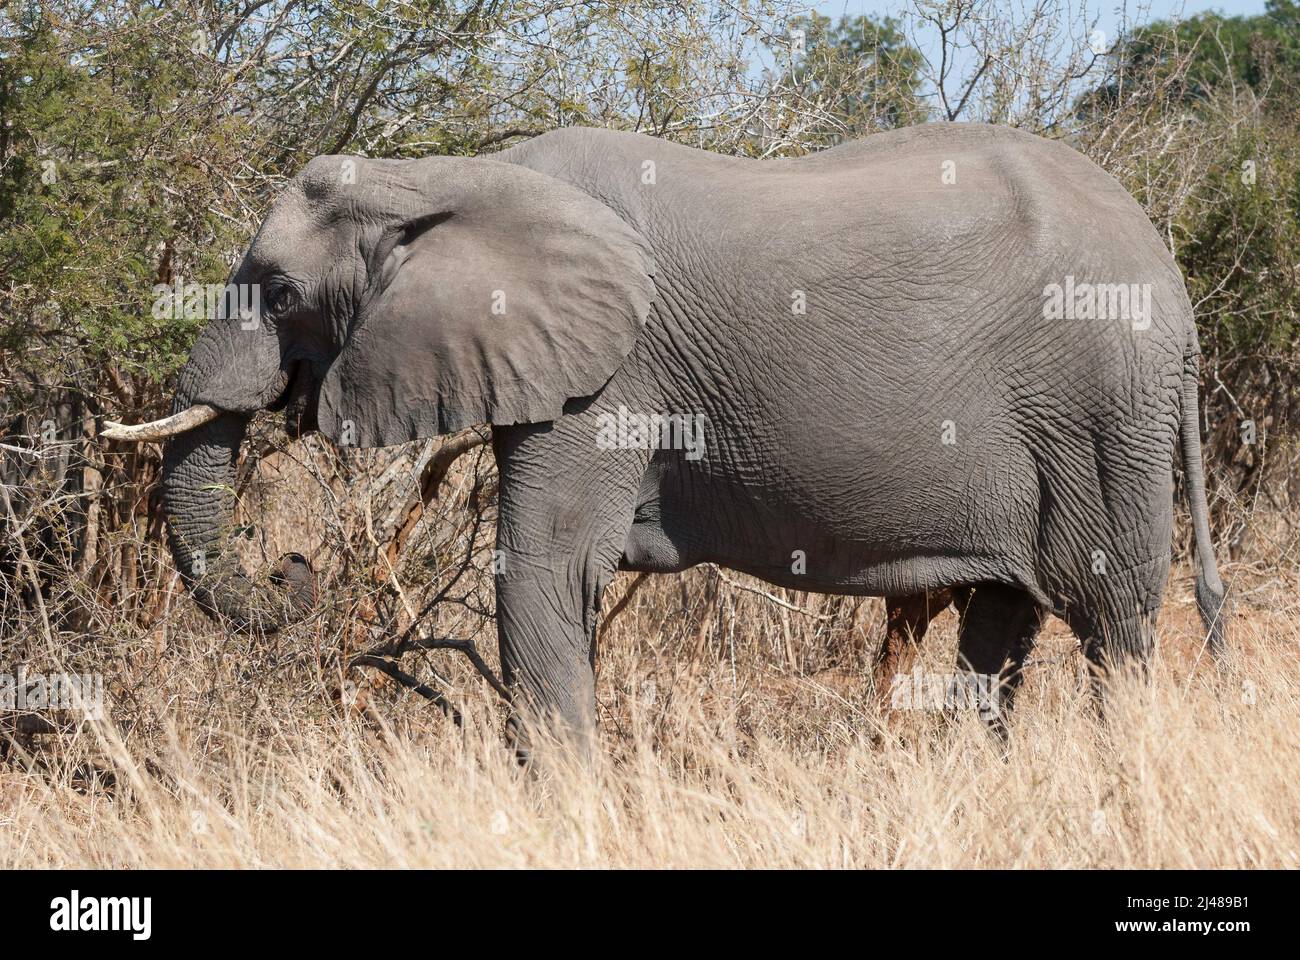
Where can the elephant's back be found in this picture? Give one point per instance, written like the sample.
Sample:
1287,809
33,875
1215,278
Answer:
899,279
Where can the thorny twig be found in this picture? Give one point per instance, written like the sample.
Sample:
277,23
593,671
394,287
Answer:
384,656
768,596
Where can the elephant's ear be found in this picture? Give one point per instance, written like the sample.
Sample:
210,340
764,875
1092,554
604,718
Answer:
495,294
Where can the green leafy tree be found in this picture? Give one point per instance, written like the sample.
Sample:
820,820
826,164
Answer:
1201,121
858,75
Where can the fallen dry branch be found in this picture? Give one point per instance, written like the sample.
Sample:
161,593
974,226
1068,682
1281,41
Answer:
394,672
385,658
468,648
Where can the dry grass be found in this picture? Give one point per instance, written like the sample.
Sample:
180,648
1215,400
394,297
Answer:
710,760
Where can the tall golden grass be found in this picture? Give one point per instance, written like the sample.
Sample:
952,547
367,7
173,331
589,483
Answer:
720,748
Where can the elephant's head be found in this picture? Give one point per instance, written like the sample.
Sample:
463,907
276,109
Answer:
396,300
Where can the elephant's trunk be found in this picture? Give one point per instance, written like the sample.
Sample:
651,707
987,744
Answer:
199,499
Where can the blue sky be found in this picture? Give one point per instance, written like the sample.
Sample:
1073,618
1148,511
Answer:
1107,9
1109,15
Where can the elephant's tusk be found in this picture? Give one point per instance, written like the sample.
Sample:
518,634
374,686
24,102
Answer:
187,419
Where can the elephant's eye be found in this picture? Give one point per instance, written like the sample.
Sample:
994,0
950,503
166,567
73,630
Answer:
276,298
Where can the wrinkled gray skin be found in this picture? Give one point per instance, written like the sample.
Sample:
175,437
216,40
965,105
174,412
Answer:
586,270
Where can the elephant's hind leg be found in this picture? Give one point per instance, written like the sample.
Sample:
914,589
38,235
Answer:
1116,644
998,628
908,619
1117,626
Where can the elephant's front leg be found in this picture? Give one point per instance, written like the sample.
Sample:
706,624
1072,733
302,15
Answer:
565,510
546,642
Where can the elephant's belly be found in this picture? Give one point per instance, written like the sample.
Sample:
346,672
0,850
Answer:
822,564
863,535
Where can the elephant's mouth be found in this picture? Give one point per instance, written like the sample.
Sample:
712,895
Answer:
299,399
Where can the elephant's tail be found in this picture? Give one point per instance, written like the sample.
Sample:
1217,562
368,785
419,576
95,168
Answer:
1210,594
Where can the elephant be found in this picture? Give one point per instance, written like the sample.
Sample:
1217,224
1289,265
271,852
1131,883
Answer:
906,621
943,356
